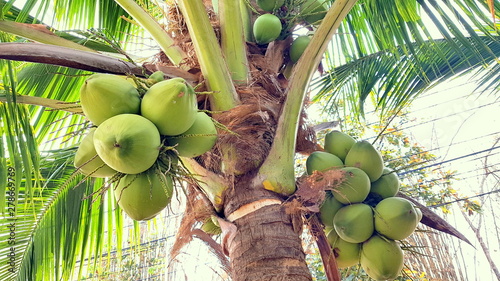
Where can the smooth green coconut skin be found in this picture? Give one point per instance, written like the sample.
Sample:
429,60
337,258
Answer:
387,185
171,106
321,161
88,162
346,253
266,28
270,5
396,218
338,143
128,143
328,209
354,223
298,47
364,156
104,95
198,139
354,188
142,196
382,259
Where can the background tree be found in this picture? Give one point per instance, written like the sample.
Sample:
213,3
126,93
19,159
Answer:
379,43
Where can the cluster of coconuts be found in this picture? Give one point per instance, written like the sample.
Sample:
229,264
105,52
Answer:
137,137
362,217
268,26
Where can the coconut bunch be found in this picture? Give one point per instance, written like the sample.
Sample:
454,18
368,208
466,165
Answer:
275,19
140,131
362,216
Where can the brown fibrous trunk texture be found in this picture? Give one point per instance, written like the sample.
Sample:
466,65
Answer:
266,247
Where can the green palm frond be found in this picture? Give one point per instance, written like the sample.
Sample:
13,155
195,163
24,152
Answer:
393,80
57,226
394,51
100,25
57,83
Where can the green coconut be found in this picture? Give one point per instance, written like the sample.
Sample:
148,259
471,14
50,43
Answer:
156,77
198,139
313,11
354,188
266,28
364,156
387,185
298,47
128,143
104,95
270,5
328,209
346,253
211,226
142,196
321,161
395,218
419,214
338,143
171,106
354,223
382,259
88,162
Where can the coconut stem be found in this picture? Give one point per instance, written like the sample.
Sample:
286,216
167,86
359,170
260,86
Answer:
233,40
212,184
212,63
277,171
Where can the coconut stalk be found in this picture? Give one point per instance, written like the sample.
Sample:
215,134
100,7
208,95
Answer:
210,183
233,40
166,43
209,54
246,18
277,171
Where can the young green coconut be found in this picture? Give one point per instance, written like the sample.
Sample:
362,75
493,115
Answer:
171,106
128,143
387,185
354,188
142,196
88,162
364,156
329,209
354,223
266,28
321,161
346,253
338,143
198,139
396,218
381,258
105,95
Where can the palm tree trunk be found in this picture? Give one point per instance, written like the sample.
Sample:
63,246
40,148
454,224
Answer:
265,246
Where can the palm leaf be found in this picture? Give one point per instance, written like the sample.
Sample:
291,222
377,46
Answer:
394,56
396,80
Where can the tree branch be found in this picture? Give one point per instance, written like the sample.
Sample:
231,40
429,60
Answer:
56,55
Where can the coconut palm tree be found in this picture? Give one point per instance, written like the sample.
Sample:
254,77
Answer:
54,215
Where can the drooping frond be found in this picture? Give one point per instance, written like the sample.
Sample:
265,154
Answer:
396,50
395,80
57,226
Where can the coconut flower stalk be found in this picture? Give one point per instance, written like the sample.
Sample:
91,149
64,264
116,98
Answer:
233,40
277,171
209,53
